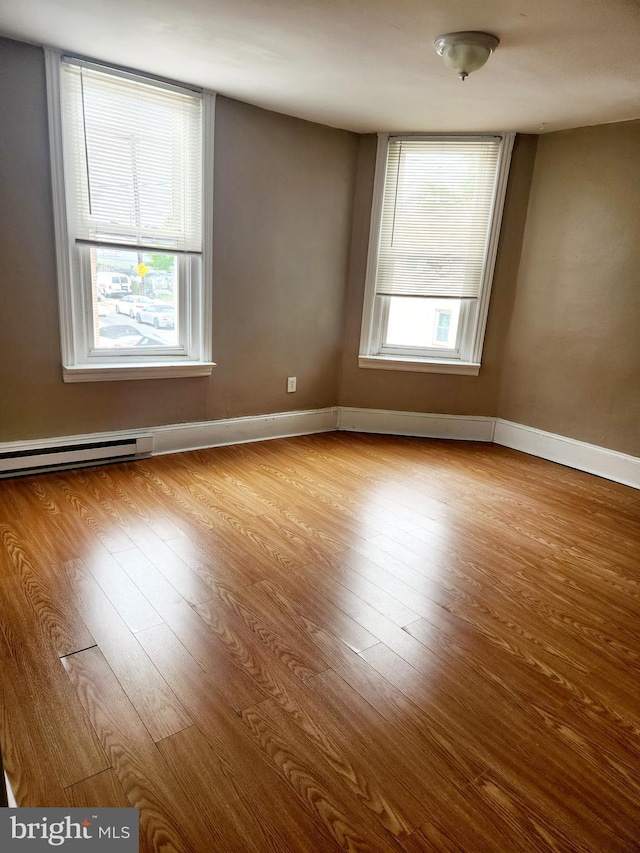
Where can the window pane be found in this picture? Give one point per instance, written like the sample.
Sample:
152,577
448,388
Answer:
135,299
443,327
415,322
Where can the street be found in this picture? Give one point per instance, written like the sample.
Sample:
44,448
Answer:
110,317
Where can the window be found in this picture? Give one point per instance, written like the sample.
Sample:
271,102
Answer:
443,327
434,232
132,179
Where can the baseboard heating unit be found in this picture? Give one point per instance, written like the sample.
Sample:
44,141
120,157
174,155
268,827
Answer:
33,457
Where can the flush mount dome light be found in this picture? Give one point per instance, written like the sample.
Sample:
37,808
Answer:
465,52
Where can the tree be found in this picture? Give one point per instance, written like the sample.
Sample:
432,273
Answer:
161,262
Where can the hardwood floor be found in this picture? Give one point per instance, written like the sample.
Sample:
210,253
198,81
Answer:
330,642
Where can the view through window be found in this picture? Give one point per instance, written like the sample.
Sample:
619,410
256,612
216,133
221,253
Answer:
135,298
425,323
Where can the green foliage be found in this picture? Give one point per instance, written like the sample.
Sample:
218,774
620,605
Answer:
161,263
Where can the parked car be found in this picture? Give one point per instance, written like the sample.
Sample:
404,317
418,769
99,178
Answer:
131,304
121,335
113,284
150,342
159,314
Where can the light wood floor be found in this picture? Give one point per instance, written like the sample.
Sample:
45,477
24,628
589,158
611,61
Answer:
329,642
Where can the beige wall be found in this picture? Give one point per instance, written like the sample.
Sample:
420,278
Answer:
283,209
430,392
292,207
572,356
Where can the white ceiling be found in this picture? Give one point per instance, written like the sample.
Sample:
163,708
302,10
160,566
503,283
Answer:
367,65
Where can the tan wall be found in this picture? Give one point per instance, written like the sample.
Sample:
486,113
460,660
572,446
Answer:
430,392
572,357
283,209
561,350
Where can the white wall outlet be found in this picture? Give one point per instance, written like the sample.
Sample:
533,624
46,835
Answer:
291,384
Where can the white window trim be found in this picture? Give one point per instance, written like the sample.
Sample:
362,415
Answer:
106,367
370,355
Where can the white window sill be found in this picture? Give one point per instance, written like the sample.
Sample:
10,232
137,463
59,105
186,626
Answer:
419,365
118,372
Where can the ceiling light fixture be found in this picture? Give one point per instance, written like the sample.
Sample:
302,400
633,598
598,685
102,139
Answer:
465,52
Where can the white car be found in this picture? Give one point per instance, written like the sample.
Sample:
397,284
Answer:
162,315
130,305
113,284
120,335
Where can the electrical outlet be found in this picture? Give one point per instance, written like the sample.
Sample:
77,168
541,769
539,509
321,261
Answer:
291,384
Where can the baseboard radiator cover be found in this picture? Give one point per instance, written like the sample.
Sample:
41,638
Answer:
33,457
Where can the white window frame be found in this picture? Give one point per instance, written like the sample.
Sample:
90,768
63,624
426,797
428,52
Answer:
466,356
80,361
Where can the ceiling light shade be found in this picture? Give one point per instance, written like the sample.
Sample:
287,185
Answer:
465,52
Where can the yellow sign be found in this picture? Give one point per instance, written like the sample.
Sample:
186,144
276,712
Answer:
142,269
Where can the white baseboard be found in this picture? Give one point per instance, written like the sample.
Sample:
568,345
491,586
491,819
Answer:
460,427
172,438
590,458
195,436
175,438
601,461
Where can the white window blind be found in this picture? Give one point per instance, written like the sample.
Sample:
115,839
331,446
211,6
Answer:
133,160
436,216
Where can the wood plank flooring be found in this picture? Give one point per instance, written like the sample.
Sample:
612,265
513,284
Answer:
332,642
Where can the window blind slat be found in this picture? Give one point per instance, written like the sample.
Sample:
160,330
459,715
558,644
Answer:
133,160
436,217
